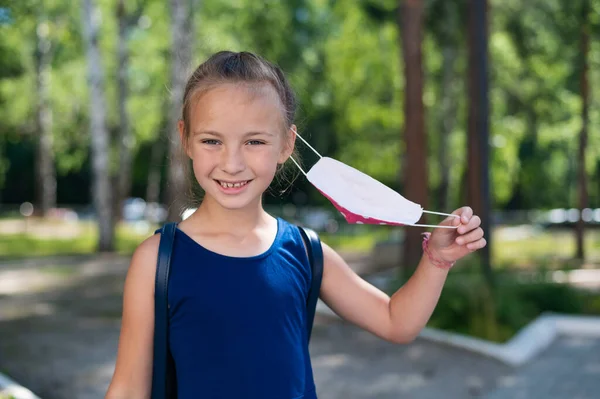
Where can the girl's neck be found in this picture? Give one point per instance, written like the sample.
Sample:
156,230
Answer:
210,213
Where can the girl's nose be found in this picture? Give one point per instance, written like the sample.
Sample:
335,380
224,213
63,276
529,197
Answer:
232,161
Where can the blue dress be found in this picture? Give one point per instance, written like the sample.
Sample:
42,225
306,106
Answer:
238,325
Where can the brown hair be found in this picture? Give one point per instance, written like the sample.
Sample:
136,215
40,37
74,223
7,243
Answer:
243,67
227,67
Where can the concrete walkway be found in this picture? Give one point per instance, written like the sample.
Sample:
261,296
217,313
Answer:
569,369
352,364
60,321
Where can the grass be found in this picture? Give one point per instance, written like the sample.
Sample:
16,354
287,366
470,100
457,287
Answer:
81,239
550,248
27,244
356,242
59,271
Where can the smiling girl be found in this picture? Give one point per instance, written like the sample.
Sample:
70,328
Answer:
239,276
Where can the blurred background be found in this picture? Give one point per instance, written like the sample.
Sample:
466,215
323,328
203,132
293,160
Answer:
492,104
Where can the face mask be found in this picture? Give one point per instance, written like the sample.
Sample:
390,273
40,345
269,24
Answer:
360,198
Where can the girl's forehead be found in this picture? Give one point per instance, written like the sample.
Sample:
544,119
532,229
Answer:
231,107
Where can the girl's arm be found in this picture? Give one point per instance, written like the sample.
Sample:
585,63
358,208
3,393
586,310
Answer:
132,378
400,318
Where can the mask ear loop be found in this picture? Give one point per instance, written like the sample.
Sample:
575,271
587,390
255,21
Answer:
301,170
309,146
437,226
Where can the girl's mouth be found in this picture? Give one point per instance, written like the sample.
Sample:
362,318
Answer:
232,187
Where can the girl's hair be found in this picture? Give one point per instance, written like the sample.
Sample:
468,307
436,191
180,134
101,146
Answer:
245,68
227,67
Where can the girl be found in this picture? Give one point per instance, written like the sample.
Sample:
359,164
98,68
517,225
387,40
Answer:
239,276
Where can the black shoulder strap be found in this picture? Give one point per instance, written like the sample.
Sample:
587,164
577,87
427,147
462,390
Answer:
161,376
315,256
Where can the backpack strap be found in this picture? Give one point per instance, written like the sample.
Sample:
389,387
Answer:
162,376
315,257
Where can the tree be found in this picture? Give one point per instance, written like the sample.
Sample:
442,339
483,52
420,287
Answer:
444,21
126,21
102,191
45,171
478,193
583,134
181,48
410,19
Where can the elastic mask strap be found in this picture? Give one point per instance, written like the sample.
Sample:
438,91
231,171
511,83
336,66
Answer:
433,225
309,146
440,213
301,170
437,226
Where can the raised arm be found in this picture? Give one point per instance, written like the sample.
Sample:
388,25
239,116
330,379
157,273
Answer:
400,318
133,371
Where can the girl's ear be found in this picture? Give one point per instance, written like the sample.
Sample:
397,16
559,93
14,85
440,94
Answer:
183,137
288,145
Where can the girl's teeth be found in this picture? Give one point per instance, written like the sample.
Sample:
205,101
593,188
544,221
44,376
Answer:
232,185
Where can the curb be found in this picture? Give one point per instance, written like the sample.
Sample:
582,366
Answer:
9,387
529,342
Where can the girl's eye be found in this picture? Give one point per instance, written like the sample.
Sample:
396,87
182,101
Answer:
210,142
255,142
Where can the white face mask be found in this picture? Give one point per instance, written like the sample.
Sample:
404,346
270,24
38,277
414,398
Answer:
360,198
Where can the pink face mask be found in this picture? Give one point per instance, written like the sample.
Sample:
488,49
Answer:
360,198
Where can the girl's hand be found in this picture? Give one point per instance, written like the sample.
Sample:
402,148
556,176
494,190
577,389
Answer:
449,245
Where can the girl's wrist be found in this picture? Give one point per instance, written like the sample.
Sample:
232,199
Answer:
434,258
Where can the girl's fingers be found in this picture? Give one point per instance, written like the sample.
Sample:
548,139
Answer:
473,223
470,237
477,244
466,213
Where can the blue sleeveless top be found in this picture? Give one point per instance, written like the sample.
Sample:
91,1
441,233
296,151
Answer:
238,325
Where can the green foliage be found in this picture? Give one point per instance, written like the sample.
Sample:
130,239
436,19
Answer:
363,68
468,307
344,61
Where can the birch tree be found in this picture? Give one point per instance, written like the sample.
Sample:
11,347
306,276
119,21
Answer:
102,191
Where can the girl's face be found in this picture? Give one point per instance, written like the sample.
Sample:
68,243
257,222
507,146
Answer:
235,141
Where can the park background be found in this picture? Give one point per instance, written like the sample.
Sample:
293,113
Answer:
492,104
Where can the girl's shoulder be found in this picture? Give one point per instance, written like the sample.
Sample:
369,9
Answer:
142,268
148,249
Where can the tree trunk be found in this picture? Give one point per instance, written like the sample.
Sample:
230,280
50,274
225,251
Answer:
478,192
449,107
583,136
126,136
45,170
101,188
449,104
178,188
410,20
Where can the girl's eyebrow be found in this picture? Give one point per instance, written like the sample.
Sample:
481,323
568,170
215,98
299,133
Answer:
249,134
217,134
208,132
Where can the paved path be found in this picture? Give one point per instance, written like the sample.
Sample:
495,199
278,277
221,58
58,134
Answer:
569,369
60,320
352,364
